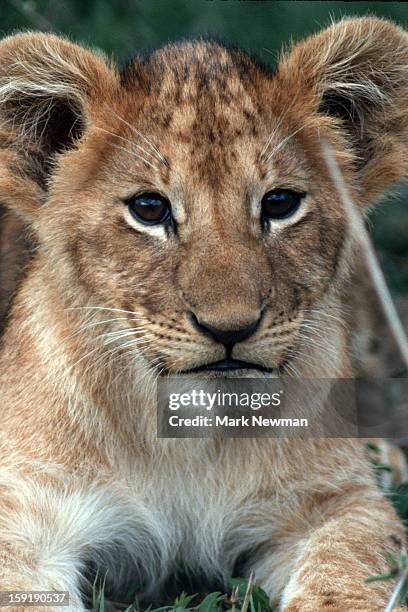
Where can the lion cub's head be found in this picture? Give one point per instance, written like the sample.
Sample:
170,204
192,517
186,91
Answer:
185,199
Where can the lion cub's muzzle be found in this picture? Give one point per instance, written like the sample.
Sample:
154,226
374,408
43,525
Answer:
227,337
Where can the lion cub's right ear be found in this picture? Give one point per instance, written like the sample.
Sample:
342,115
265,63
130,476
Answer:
50,92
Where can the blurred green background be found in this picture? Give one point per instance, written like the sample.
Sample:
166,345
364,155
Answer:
122,27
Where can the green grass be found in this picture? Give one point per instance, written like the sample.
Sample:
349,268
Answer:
243,596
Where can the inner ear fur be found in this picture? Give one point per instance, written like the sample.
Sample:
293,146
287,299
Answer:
50,91
355,73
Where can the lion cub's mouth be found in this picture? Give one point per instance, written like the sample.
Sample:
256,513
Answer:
228,365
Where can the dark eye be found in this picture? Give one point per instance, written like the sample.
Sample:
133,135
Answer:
150,208
280,204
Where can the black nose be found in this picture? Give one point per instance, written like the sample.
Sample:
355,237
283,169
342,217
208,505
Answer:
228,338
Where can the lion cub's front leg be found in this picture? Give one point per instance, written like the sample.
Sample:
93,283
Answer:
335,534
47,530
20,576
25,570
333,561
27,566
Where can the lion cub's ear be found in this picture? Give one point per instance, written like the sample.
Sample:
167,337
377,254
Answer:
50,91
356,74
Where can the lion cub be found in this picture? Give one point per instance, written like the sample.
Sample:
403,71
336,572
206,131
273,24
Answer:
183,217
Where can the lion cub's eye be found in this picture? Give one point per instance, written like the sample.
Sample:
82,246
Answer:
280,204
150,208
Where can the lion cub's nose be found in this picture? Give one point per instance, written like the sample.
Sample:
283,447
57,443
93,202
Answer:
226,337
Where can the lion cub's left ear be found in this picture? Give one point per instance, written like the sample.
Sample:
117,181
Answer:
355,73
50,92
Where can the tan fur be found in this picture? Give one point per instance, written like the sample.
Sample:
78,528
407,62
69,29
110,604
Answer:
83,479
14,256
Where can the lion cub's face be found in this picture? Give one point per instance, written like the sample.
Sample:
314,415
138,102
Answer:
189,195
195,207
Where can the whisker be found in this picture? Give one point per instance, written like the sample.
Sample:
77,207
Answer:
329,350
129,330
275,131
72,366
106,354
91,325
282,143
326,314
309,359
139,341
135,156
103,308
288,366
145,138
132,144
